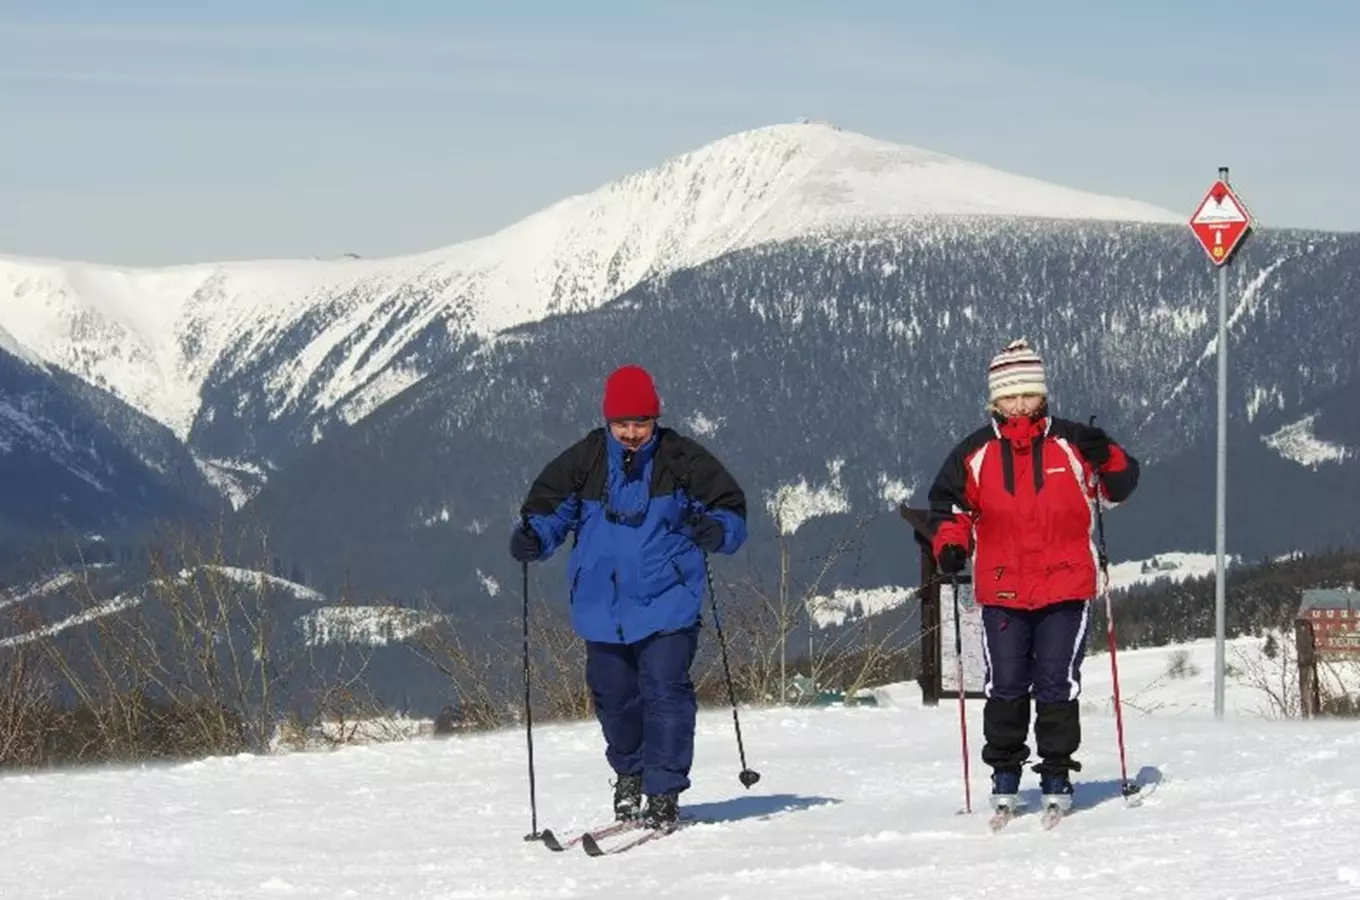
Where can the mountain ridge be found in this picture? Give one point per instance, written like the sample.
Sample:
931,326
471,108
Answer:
346,335
850,367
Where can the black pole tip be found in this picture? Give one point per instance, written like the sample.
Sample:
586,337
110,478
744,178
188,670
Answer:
748,777
533,836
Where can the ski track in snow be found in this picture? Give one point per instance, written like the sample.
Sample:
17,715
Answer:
853,802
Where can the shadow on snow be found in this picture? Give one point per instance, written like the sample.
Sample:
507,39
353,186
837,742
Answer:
760,806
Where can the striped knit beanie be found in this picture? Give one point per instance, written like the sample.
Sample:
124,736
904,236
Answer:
1014,371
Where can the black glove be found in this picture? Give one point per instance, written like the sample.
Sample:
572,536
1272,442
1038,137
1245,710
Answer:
708,534
1094,444
525,545
952,559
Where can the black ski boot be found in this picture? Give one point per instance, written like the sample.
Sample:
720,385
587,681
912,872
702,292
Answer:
627,797
663,811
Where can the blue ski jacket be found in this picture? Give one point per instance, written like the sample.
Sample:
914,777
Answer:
634,568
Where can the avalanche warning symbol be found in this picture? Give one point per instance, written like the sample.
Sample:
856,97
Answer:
1220,223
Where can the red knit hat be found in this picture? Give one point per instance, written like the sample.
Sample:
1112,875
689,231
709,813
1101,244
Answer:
629,393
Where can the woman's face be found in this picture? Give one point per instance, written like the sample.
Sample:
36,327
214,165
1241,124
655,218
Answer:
1021,405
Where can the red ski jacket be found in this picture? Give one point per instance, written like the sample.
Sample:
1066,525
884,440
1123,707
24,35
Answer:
1019,497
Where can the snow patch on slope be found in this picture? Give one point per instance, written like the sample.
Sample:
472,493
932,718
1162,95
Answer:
793,505
489,583
843,604
854,603
1297,442
256,580
234,479
895,491
373,626
1165,567
1246,305
97,611
15,425
704,425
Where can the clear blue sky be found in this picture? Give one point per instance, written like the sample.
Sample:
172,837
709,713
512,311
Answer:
150,131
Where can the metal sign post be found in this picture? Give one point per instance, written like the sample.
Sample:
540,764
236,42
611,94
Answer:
1221,224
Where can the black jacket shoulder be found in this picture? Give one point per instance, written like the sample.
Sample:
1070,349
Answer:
698,472
946,494
569,473
1067,429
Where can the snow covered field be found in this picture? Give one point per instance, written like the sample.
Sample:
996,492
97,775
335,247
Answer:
853,803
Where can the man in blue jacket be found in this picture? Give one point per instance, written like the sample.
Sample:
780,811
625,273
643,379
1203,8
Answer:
646,504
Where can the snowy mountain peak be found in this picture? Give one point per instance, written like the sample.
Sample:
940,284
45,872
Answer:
798,177
785,181
309,341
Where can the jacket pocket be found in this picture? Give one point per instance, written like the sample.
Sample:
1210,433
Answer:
592,586
575,582
655,582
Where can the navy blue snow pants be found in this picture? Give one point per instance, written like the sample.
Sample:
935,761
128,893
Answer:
644,700
1034,654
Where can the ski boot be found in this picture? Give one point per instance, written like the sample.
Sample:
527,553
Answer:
663,811
1056,791
627,797
1005,797
1005,790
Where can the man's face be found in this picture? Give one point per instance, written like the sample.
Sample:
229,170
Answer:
632,433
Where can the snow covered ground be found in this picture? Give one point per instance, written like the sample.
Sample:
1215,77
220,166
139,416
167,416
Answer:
860,802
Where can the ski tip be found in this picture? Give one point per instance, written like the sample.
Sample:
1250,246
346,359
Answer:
548,839
590,845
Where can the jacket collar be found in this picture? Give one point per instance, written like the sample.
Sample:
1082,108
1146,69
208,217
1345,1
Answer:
627,462
1021,431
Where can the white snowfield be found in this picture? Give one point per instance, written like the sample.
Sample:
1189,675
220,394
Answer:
861,802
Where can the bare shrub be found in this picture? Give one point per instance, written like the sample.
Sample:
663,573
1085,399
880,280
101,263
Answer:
195,659
1180,667
762,614
486,688
1276,679
189,647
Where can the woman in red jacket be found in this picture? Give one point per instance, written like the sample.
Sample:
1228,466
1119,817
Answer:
1017,499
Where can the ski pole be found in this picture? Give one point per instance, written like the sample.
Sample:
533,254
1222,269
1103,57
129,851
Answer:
747,776
534,834
1126,788
963,710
